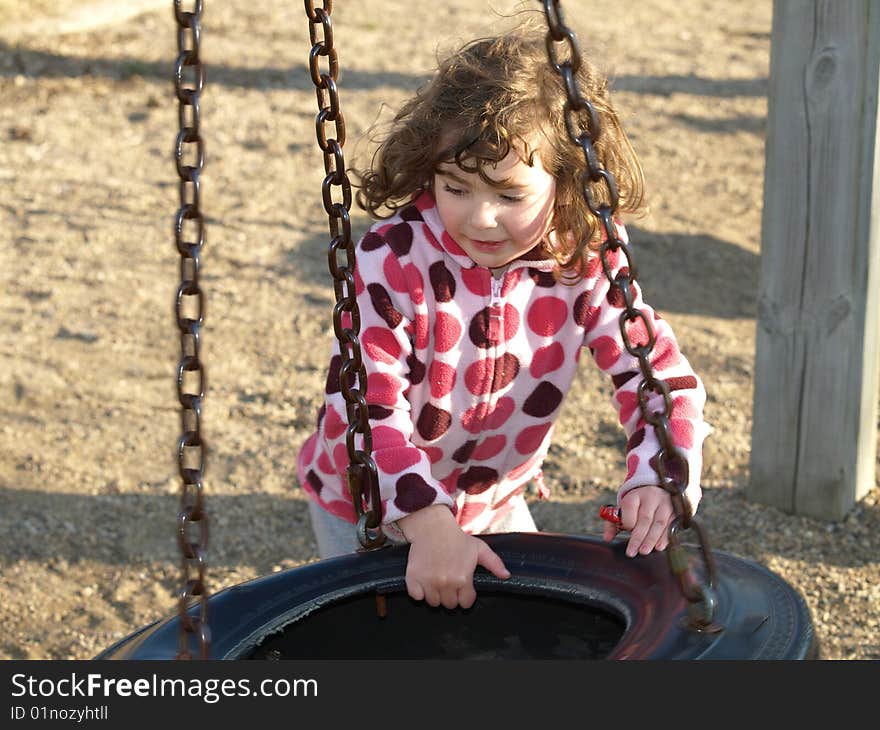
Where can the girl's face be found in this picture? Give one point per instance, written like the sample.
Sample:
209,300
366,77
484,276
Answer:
496,223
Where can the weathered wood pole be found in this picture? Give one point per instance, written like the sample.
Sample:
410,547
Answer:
817,362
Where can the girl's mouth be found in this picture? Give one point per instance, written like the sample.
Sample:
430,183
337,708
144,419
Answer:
487,245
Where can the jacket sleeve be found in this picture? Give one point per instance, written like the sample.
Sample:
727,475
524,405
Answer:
387,295
687,394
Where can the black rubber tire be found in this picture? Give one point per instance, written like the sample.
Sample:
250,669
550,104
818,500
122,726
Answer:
762,616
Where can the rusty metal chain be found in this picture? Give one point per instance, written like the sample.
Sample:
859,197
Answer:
584,128
362,475
189,238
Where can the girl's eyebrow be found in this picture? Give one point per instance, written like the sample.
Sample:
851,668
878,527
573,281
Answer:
450,174
500,184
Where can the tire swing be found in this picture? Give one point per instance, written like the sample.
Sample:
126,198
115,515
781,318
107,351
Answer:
568,598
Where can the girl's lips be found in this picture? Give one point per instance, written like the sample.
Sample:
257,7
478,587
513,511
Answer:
487,245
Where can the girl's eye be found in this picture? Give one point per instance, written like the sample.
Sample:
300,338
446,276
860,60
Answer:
513,198
453,191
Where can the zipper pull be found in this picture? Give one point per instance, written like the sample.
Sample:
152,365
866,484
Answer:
496,285
496,311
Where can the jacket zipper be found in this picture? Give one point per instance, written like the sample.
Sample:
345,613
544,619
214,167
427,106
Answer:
496,311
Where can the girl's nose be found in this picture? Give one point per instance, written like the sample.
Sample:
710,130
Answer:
483,215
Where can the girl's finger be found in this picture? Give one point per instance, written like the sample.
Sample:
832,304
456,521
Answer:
653,536
637,536
467,596
432,597
415,590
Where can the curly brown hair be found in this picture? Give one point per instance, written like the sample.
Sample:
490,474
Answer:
495,95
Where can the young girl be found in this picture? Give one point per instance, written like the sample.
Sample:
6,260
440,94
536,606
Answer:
477,290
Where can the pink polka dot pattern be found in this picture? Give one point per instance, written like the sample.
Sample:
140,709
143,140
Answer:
491,375
314,481
334,426
332,384
498,416
413,493
665,355
377,412
488,417
340,458
394,275
684,408
471,511
547,315
385,437
684,383
632,464
415,284
434,454
442,282
416,369
466,374
489,447
442,378
382,389
480,324
621,379
411,213
477,479
544,279
629,402
673,468
395,461
508,284
372,241
530,438
433,422
546,360
589,317
431,239
607,351
451,245
324,463
447,331
463,453
421,331
635,440
381,344
450,481
637,333
682,432
477,281
383,306
308,449
615,295
400,238
543,400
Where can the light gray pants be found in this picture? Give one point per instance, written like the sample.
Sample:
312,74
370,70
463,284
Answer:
337,537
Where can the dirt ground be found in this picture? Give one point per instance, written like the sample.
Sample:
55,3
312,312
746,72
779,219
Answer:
88,345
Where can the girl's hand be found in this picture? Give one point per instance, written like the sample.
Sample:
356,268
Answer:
647,513
443,558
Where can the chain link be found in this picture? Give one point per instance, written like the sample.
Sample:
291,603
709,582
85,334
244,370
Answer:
362,475
583,127
189,238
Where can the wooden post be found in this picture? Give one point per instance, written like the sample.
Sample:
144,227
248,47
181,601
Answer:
817,362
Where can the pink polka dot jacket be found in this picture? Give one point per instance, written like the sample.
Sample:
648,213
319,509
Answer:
466,375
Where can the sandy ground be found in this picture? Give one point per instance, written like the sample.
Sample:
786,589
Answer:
88,348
